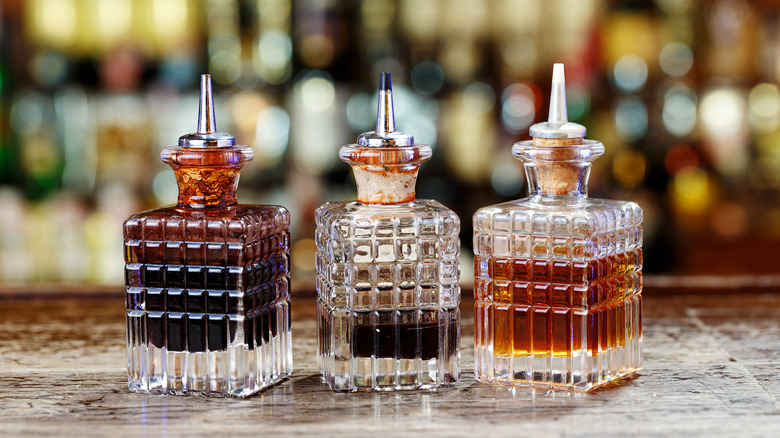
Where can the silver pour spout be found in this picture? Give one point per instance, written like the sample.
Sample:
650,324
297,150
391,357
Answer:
385,116
207,123
385,134
557,124
207,135
558,96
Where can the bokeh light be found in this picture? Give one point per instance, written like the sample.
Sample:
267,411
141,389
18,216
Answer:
316,50
29,111
303,253
317,92
679,110
507,179
679,157
691,190
577,102
479,98
764,102
631,118
676,59
518,107
360,111
49,68
629,168
427,77
630,73
224,62
164,187
57,19
272,135
520,53
113,18
274,52
722,111
170,16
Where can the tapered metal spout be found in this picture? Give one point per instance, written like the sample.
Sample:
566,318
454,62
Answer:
558,96
207,134
385,116
207,123
385,133
557,124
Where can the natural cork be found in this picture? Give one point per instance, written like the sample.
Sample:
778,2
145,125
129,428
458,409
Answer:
559,171
385,184
385,175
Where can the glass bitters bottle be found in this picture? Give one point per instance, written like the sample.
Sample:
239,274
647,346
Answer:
558,275
387,271
207,280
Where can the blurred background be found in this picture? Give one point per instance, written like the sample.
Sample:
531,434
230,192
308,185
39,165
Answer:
683,93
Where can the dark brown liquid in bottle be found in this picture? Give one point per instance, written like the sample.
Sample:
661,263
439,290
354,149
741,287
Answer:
404,340
197,292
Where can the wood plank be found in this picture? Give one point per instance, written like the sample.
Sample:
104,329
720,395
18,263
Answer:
711,368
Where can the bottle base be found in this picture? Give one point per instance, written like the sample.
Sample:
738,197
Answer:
557,380
234,372
393,375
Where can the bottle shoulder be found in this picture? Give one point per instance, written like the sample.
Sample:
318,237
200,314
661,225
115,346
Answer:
357,210
418,218
174,223
525,215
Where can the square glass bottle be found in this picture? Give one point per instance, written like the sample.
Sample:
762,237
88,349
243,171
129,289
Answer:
207,280
387,271
558,283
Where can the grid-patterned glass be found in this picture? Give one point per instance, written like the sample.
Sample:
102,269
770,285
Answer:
388,295
558,293
208,300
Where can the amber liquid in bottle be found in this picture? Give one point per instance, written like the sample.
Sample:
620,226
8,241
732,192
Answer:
558,275
545,319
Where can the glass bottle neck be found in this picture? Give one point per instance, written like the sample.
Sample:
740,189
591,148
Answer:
557,170
385,174
207,177
201,188
382,185
555,181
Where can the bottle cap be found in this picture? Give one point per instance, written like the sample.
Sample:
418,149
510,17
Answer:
385,134
207,135
558,125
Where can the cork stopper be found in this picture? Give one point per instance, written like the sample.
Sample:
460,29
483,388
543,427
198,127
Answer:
558,158
385,162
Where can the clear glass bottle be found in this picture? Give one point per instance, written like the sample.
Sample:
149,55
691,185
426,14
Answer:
207,280
558,275
387,271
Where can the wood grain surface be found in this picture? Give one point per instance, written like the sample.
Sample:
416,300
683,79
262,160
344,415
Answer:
712,368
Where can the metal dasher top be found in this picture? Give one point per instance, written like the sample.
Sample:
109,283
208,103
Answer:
557,125
207,135
385,134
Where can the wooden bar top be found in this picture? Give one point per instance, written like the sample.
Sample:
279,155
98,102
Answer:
712,368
